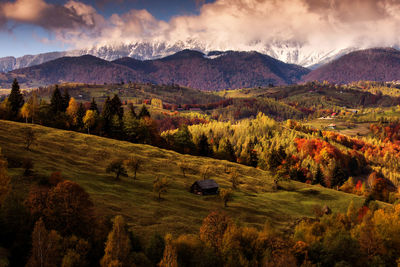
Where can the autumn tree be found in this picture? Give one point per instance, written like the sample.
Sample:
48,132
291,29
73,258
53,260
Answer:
117,167
72,110
205,172
15,99
89,120
26,112
33,106
29,137
213,229
69,209
170,257
184,167
160,186
46,247
234,179
133,164
118,245
226,196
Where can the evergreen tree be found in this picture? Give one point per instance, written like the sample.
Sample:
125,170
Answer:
107,116
93,106
338,176
319,176
226,150
15,100
57,101
203,146
116,107
144,112
183,140
79,116
131,109
66,98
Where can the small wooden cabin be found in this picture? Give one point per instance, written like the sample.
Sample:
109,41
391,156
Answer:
204,187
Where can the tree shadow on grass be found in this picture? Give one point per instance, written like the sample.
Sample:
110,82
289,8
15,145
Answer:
316,194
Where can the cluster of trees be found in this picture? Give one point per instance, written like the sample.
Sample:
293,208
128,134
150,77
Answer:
289,150
294,151
250,107
54,223
361,236
65,112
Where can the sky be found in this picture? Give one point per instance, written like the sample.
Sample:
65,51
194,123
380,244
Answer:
19,37
36,26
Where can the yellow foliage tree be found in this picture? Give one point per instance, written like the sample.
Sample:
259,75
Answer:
118,245
46,247
72,110
26,111
89,119
170,257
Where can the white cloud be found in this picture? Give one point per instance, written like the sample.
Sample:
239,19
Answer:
315,25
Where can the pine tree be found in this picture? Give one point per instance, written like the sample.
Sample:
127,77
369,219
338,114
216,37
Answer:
116,107
144,112
65,100
57,101
118,245
203,146
15,100
319,176
93,106
107,116
79,116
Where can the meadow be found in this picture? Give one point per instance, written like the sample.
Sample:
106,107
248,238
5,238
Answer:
83,158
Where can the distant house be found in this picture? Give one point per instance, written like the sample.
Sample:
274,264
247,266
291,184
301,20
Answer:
204,187
332,126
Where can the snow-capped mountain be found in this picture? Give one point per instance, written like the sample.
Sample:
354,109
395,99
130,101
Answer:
293,53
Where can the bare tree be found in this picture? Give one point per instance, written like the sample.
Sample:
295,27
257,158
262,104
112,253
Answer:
133,164
29,137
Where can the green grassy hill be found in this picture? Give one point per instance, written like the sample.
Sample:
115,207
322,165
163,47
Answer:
83,159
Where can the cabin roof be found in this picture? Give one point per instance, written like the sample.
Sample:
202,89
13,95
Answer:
207,184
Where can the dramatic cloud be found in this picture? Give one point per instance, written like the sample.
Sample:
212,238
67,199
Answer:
314,26
49,16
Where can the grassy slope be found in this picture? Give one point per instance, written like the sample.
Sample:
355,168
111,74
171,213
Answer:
83,158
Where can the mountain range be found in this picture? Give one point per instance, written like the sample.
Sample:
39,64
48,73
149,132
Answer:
214,71
376,64
292,53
